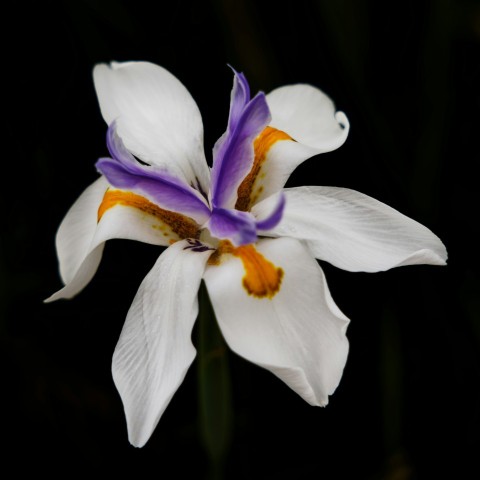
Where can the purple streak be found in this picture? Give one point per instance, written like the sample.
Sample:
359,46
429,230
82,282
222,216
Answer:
274,218
234,225
196,245
239,98
233,153
168,192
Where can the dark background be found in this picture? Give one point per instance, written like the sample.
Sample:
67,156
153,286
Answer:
407,76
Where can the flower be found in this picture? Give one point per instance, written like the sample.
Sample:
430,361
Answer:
252,241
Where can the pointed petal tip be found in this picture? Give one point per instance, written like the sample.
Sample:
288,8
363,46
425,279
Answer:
427,256
242,79
443,254
322,403
314,400
58,295
137,441
234,70
52,298
440,260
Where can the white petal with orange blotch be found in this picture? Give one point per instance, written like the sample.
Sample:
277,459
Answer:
304,123
98,215
156,117
296,332
353,231
155,349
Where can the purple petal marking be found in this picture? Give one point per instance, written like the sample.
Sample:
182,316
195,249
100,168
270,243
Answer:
274,218
168,192
233,153
196,246
240,96
234,225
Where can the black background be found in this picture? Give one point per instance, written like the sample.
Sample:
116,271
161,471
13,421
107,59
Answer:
407,76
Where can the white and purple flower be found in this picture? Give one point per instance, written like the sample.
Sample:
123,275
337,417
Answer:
234,225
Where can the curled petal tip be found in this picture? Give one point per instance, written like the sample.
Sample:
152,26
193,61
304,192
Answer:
275,217
342,119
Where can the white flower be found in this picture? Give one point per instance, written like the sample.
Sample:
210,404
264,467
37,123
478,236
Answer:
252,241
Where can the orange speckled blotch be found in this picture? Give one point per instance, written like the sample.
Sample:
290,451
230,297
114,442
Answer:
262,144
262,278
181,225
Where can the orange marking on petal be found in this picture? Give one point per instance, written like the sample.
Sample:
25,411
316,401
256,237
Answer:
261,146
181,225
262,278
223,247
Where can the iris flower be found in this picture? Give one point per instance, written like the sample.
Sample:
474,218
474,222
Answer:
234,225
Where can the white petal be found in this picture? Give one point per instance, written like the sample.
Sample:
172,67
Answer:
155,350
306,115
77,229
156,116
354,231
298,334
80,238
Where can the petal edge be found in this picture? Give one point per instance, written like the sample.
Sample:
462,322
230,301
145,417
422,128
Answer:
353,231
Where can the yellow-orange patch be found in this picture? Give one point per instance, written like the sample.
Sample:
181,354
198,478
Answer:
181,225
223,247
247,194
262,278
